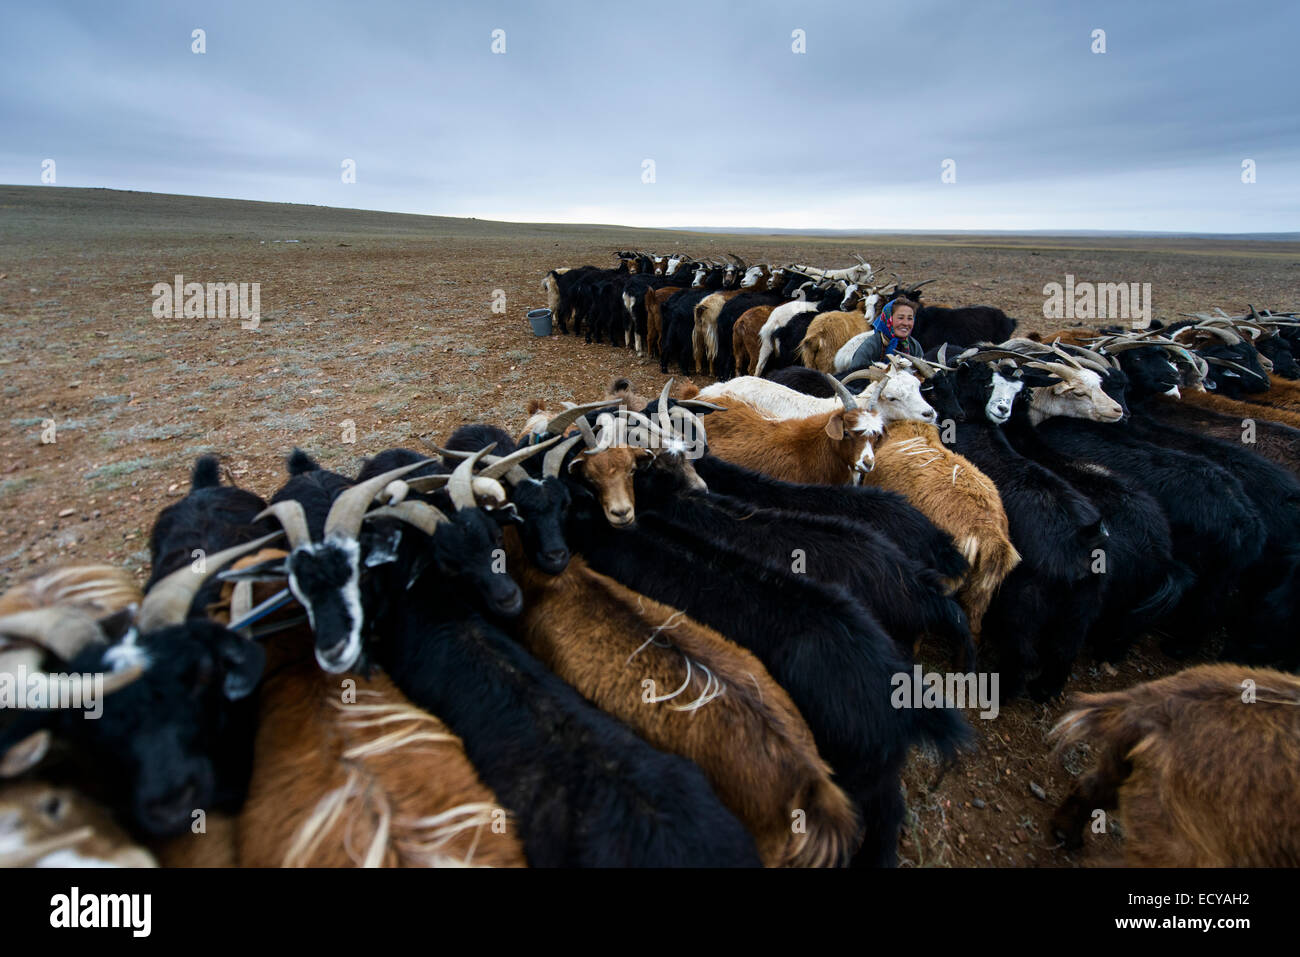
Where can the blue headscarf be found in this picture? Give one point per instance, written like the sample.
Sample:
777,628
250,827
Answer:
884,325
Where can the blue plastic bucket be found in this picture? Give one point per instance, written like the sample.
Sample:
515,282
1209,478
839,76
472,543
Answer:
540,320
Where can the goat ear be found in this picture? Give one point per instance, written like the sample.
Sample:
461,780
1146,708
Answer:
1061,388
242,663
835,426
26,754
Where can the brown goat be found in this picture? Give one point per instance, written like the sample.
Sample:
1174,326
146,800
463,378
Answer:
1282,394
745,341
1239,408
1226,419
622,650
834,448
1204,766
621,389
957,497
827,333
610,474
654,317
42,825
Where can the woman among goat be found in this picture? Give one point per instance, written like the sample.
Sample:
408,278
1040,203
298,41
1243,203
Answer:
893,334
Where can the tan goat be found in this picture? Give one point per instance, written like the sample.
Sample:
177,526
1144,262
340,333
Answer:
827,334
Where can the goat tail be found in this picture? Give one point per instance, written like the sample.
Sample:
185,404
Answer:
1113,716
988,563
1167,594
946,729
831,833
947,622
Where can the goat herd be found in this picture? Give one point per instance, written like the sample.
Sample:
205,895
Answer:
668,631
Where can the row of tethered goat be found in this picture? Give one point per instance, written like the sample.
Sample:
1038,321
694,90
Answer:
668,632
729,319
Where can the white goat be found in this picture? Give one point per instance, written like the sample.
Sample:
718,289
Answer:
894,394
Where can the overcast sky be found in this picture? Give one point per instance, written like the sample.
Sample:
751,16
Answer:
742,130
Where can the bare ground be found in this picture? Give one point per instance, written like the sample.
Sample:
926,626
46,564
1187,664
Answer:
382,324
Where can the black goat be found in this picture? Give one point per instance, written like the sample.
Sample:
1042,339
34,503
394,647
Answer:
887,512
1040,617
1270,588
1278,350
211,517
179,715
910,600
963,326
1216,531
322,513
677,318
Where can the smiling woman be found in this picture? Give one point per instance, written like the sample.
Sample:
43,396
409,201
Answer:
893,334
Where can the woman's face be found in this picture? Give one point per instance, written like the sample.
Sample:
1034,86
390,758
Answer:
903,321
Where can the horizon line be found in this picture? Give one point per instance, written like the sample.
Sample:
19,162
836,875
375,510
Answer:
812,231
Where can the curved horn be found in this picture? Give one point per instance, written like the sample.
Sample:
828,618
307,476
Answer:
555,457
561,422
509,465
422,515
344,518
1088,358
873,372
168,602
926,369
1056,368
461,484
847,397
292,519
662,409
588,436
1229,364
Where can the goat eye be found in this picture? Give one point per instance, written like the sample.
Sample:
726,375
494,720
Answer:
53,807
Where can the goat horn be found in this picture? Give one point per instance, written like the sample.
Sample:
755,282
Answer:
461,484
422,515
60,629
850,403
1085,357
588,436
1228,364
508,465
561,422
663,402
168,602
1065,372
1217,329
873,372
926,369
292,519
344,518
555,457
